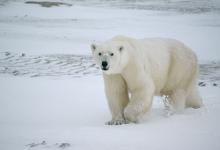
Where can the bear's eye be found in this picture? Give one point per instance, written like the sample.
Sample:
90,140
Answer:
100,54
112,54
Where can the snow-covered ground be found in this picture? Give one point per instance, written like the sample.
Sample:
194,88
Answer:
74,111
33,29
51,93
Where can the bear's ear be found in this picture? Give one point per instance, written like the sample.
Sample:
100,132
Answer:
93,47
121,48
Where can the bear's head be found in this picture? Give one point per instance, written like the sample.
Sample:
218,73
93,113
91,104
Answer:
110,56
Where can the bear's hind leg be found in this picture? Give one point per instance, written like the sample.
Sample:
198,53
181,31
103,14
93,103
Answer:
178,99
193,99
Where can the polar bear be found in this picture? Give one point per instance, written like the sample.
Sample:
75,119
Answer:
136,70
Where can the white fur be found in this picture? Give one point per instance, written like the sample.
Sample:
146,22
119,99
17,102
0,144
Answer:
145,68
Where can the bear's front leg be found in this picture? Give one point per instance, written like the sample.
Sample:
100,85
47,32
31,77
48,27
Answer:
117,96
140,103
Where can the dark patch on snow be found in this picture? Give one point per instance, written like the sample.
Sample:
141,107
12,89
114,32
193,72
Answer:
23,54
202,84
15,72
36,144
214,84
44,144
64,145
48,3
7,53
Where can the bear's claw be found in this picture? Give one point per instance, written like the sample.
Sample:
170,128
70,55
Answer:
117,122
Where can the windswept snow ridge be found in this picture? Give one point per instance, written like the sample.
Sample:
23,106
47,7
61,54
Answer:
47,65
66,65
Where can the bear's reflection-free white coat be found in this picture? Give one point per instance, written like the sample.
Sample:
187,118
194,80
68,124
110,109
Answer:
145,68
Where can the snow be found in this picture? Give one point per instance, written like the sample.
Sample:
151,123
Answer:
38,30
74,111
52,94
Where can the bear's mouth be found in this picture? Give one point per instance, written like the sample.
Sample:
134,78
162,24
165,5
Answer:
105,68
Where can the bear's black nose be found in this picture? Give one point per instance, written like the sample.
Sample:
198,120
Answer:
104,64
